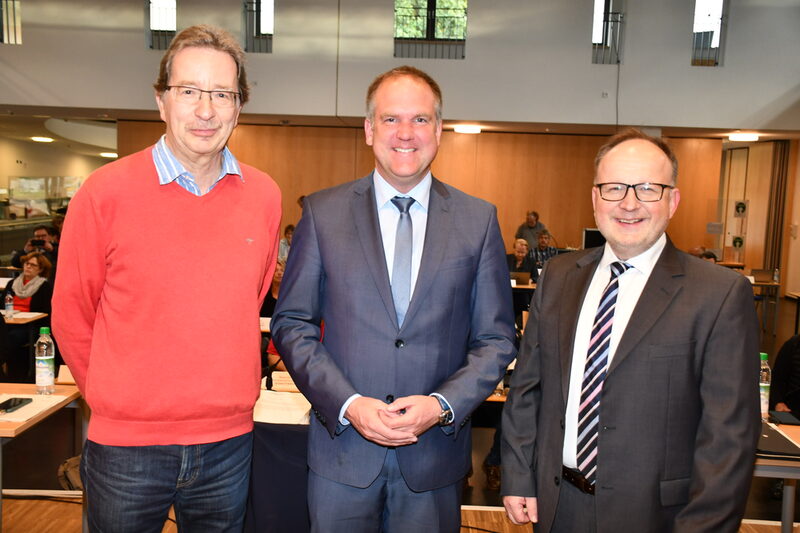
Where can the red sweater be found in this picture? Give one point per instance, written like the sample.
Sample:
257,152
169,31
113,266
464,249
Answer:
157,300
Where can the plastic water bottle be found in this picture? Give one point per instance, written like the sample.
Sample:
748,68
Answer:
764,380
45,363
9,304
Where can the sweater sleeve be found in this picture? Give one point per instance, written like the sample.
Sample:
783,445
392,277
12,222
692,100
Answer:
81,276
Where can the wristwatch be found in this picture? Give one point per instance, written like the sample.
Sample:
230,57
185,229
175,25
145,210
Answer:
446,416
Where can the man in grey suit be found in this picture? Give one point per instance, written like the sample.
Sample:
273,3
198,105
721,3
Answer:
634,401
409,277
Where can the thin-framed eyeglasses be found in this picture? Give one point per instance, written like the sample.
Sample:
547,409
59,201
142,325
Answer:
645,192
191,95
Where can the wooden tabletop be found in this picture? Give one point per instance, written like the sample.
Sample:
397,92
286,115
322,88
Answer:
529,287
30,317
12,429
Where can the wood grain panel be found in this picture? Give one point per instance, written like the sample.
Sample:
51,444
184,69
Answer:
759,178
133,136
699,165
551,174
300,160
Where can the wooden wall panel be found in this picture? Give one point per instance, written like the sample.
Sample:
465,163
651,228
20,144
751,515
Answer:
133,136
300,160
516,172
699,164
551,174
759,178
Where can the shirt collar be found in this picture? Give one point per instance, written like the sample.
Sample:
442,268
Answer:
385,192
169,168
644,262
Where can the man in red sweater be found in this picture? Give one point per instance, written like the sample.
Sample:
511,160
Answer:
159,329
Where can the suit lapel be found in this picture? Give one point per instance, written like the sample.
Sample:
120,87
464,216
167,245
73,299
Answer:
365,216
576,283
436,238
662,287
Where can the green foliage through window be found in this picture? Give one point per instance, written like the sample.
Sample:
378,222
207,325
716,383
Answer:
430,19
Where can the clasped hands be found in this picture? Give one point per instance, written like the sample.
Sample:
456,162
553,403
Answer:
396,424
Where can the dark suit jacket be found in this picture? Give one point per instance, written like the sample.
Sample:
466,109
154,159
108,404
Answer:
679,415
457,337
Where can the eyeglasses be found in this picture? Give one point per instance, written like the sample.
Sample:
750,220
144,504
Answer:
32,264
191,95
645,192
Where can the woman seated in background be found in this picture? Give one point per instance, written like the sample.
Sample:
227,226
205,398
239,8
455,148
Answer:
32,292
268,307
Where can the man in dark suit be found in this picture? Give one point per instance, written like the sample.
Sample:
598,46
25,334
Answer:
409,276
634,401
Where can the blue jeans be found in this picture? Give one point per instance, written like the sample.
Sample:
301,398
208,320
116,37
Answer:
131,488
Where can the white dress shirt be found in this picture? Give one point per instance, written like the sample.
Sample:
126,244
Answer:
631,284
389,216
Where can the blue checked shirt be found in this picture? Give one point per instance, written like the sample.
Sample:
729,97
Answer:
170,169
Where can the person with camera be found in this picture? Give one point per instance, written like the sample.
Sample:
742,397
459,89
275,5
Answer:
42,241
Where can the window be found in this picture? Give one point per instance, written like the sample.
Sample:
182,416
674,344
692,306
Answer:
11,28
259,21
430,28
707,33
162,23
607,32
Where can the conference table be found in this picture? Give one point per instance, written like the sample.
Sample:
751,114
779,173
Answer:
786,469
17,422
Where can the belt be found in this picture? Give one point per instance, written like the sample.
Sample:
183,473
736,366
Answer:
577,479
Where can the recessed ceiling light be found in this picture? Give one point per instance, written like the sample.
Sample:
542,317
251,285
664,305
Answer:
467,128
109,155
42,139
743,137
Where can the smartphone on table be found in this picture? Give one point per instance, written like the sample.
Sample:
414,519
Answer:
12,404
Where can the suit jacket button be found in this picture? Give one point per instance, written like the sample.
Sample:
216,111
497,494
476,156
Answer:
389,398
556,480
399,343
562,423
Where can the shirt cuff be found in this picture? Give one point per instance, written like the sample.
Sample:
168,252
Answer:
444,403
342,420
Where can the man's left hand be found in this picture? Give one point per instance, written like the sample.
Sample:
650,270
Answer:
416,414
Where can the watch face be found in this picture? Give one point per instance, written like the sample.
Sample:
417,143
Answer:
446,418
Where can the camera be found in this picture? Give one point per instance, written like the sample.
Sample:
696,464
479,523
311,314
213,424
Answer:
37,242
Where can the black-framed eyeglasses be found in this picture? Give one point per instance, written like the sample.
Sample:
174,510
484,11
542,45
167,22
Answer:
645,192
191,95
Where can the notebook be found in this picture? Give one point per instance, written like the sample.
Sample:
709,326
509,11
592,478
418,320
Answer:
774,445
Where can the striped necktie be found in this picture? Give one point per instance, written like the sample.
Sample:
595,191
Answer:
595,373
401,267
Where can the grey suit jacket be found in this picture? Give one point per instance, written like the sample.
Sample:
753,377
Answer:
456,339
679,415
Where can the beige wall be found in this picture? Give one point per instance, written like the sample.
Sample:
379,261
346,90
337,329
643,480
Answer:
22,158
517,172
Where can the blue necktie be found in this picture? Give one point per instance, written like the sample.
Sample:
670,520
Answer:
401,267
594,375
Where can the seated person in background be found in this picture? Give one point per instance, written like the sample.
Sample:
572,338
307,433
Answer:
32,292
708,255
42,241
268,307
697,251
530,229
784,394
520,260
543,251
286,243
